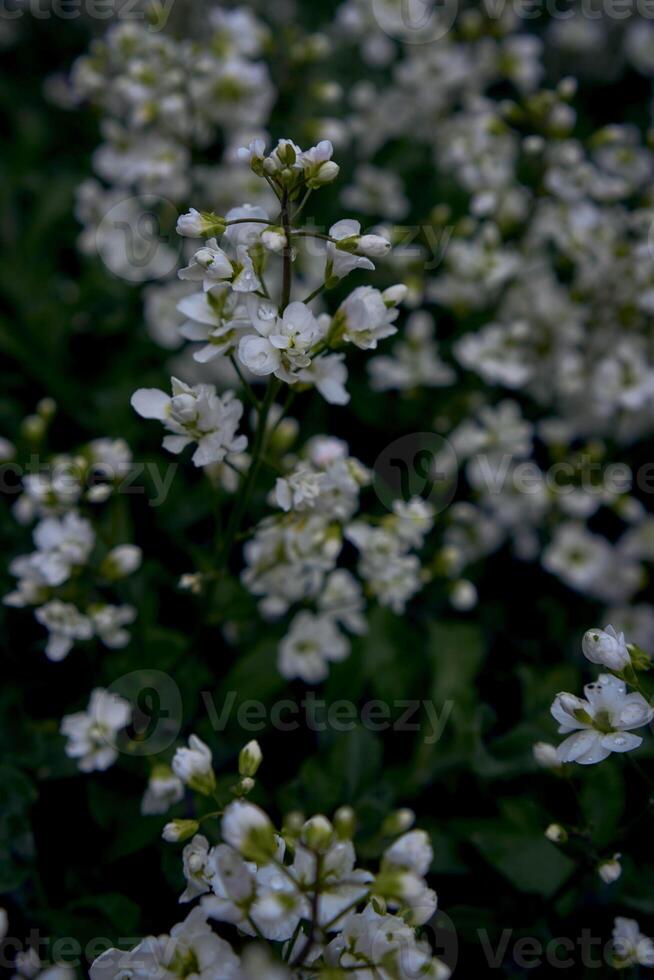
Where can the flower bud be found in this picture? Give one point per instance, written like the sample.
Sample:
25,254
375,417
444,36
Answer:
463,595
121,561
556,833
250,759
317,833
249,831
7,450
327,173
395,294
46,408
274,239
374,246
606,647
191,582
545,756
99,493
286,153
610,870
345,823
179,830
293,824
398,822
243,786
33,427
194,224
194,766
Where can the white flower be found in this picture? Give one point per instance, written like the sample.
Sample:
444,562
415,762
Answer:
197,863
318,166
195,413
163,790
194,765
216,318
245,232
299,490
92,733
606,647
108,622
340,262
328,374
341,598
62,544
610,870
311,642
65,624
209,265
233,885
258,355
192,950
121,561
248,830
285,342
411,851
365,318
579,558
602,724
630,946
254,154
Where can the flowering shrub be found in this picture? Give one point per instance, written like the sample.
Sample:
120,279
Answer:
340,341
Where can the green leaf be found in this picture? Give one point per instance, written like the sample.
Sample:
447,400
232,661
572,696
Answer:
531,863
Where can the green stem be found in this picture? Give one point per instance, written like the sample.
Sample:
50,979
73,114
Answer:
313,925
236,516
300,206
246,384
247,221
314,234
315,293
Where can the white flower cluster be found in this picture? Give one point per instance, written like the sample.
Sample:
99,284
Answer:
544,262
233,315
163,98
292,557
66,577
194,414
298,890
